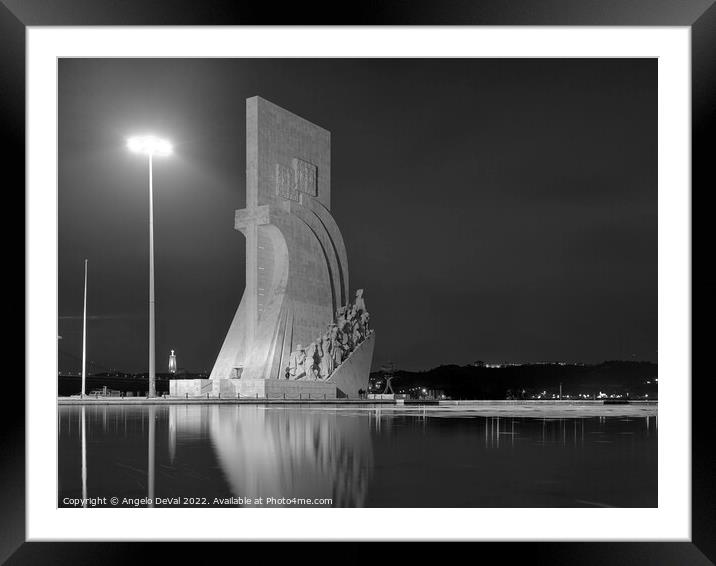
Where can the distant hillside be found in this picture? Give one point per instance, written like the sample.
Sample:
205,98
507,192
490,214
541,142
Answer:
458,382
476,382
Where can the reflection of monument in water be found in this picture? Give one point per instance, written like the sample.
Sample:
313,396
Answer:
284,339
283,452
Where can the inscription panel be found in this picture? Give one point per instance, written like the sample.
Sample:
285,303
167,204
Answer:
305,177
286,182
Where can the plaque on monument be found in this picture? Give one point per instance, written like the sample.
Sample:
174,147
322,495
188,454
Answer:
285,184
305,177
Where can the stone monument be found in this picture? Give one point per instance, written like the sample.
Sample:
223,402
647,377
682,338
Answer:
296,275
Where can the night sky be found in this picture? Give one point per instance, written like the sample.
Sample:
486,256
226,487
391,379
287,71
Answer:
493,209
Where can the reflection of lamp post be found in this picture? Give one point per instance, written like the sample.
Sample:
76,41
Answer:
150,457
150,146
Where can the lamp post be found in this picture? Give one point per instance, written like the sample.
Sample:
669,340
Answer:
150,146
84,339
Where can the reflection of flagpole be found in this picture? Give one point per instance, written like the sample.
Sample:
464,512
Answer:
84,459
173,432
150,458
84,336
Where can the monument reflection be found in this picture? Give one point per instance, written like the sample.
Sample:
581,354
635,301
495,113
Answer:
283,452
214,451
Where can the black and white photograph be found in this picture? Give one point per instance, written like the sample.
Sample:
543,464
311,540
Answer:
420,274
368,282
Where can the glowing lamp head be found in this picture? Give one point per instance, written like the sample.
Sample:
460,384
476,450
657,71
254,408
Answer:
149,145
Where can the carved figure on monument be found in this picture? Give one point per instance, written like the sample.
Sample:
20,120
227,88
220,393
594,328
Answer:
360,301
341,319
296,362
365,322
326,357
318,368
336,346
309,365
357,335
348,331
347,346
347,341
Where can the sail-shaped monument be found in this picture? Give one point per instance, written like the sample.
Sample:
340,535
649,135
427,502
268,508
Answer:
298,332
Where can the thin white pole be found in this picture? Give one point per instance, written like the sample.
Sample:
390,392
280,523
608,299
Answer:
150,456
84,459
152,385
84,336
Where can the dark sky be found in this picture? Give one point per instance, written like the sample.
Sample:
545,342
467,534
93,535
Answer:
494,209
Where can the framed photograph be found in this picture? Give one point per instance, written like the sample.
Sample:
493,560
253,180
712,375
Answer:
422,279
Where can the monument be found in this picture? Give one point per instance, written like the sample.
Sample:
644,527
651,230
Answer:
297,332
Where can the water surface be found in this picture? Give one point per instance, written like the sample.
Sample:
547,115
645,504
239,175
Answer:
357,456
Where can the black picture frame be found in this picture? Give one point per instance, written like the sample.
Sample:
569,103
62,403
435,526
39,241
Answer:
699,15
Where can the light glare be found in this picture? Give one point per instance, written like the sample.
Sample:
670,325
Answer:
149,145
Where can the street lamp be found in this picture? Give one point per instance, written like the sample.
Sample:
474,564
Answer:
150,146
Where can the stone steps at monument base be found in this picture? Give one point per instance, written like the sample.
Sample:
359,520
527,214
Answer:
286,389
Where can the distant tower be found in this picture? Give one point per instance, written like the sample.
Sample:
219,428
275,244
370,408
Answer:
172,363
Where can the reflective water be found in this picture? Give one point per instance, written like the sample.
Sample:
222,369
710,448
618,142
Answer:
355,456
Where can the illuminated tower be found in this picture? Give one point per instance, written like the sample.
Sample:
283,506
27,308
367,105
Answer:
172,363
